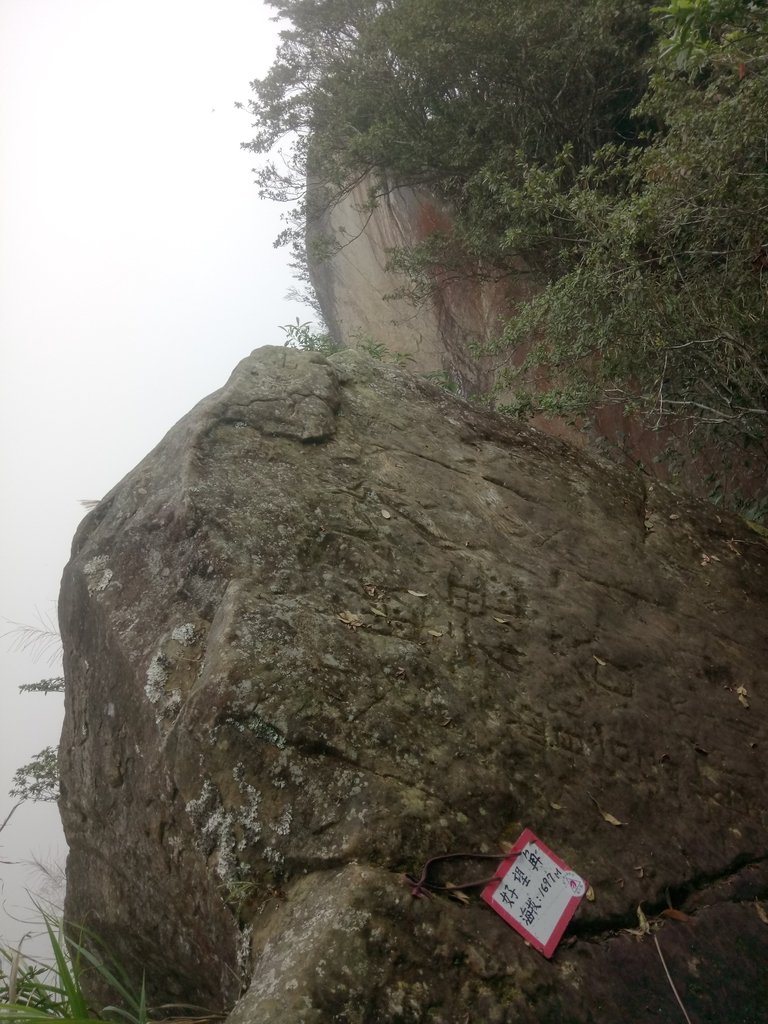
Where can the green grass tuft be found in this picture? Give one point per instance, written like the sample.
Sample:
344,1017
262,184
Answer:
33,992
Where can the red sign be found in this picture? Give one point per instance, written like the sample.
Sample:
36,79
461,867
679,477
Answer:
535,892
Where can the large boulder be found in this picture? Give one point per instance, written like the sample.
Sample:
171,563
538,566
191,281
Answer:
339,622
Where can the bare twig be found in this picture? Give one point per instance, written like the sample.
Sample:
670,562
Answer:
669,979
10,814
662,381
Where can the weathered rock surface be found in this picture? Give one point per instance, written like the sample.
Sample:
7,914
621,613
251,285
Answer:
339,622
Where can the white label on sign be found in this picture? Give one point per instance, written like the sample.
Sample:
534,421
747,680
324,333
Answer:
536,893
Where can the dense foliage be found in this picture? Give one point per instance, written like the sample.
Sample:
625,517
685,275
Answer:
430,89
436,92
656,256
620,151
39,779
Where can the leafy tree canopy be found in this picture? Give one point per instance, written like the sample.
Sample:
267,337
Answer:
619,149
429,89
38,780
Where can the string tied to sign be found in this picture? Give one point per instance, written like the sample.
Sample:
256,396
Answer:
531,888
424,887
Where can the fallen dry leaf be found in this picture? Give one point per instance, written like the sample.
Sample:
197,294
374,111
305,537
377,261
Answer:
742,695
599,660
761,912
590,894
350,619
385,514
378,611
506,842
674,516
605,815
502,621
674,915
416,593
643,927
435,632
556,807
456,894
640,871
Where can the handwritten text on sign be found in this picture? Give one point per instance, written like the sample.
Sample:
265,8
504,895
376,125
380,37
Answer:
535,892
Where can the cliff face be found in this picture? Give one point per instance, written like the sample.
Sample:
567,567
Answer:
339,622
361,296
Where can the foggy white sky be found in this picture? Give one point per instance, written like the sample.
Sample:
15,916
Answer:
136,269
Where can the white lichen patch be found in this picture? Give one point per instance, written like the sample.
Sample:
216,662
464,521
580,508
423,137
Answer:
244,952
195,808
98,574
395,999
283,826
262,729
244,689
434,700
157,677
166,704
273,857
249,818
224,832
216,835
186,634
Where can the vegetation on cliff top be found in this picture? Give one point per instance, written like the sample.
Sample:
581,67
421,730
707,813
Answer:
621,150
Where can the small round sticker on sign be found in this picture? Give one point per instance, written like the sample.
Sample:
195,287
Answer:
575,883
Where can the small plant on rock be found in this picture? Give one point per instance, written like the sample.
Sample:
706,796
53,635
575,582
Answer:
301,335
